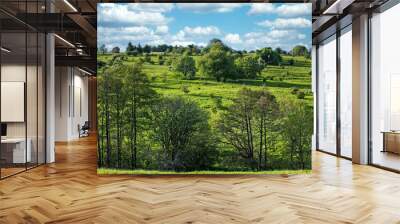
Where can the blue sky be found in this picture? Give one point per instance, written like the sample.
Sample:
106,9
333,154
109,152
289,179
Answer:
239,25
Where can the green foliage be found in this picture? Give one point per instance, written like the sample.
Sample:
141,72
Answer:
125,97
248,67
130,48
103,171
269,56
119,149
103,49
182,130
300,95
115,50
186,66
295,91
161,60
300,50
217,63
247,123
147,58
291,62
297,127
185,89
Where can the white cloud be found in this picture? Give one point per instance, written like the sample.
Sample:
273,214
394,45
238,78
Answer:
279,34
287,10
232,38
162,29
294,9
186,43
273,38
301,36
201,30
148,23
195,33
253,35
209,7
259,8
120,36
151,7
122,14
286,23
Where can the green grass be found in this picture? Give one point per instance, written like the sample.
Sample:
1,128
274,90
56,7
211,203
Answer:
104,171
214,96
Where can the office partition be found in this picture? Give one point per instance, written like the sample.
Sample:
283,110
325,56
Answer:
385,89
22,77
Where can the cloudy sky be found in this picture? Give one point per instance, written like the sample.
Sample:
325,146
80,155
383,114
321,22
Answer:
239,25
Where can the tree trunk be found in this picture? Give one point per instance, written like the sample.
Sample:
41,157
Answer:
261,144
118,136
99,162
131,139
265,143
135,129
108,144
101,142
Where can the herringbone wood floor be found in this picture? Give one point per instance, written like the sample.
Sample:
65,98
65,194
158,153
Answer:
69,191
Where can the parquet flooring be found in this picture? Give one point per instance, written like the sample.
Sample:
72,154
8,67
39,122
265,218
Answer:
69,191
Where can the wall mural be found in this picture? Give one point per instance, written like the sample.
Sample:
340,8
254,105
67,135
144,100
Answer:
204,88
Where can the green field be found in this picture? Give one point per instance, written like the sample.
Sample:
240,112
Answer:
216,98
103,171
207,92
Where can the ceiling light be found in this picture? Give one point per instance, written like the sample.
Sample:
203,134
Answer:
65,41
337,7
86,72
70,5
5,50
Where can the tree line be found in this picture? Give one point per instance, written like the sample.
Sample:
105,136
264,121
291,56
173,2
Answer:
134,50
221,63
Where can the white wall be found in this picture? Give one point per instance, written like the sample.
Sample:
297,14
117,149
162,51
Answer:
71,87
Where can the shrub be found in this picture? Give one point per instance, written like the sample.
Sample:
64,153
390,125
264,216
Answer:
295,90
185,89
300,95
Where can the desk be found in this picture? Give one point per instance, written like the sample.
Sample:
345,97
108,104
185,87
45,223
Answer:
13,150
391,141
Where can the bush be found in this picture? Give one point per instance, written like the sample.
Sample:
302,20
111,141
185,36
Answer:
185,89
132,53
164,76
300,95
182,130
295,91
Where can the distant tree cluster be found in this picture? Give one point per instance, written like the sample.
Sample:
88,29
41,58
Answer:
268,54
300,50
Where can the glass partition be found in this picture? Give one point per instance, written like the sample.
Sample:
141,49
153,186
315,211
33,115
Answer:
385,89
327,95
346,92
22,88
13,94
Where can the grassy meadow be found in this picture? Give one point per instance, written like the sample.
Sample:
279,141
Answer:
284,82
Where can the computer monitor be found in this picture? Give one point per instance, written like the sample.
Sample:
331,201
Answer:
3,129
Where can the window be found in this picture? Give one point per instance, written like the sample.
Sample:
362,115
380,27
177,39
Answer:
346,92
385,89
327,95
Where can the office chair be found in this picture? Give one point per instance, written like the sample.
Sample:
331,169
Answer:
84,130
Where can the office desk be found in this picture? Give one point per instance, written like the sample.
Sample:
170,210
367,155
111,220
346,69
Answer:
391,141
13,150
